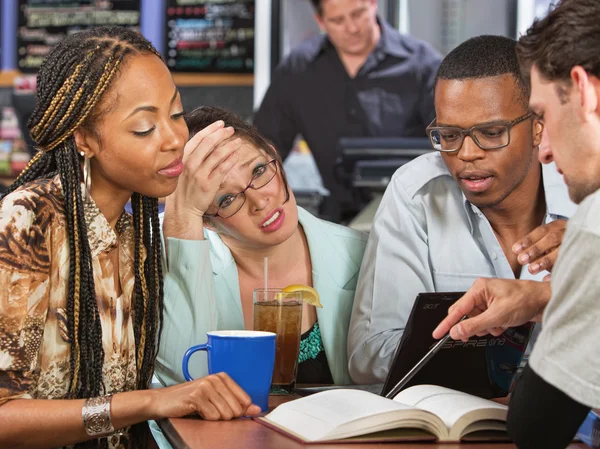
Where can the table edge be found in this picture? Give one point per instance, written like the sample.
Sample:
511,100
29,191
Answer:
171,434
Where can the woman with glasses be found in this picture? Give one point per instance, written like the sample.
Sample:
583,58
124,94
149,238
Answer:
230,210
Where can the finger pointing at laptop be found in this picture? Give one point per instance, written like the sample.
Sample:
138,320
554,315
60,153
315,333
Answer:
493,305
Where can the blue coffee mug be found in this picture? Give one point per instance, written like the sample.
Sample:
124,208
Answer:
248,357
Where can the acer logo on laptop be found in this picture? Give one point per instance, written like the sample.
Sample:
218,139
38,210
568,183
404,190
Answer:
431,306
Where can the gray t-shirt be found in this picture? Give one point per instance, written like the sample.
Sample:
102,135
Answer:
567,352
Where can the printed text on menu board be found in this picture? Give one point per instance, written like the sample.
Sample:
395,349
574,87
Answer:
210,36
43,23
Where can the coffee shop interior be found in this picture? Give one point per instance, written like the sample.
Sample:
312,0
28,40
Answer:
340,321
254,37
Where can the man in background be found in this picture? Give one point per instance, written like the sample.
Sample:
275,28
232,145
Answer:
361,78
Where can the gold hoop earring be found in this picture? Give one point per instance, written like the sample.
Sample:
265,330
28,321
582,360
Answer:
87,177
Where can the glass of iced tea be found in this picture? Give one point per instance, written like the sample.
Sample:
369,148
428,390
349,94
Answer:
281,313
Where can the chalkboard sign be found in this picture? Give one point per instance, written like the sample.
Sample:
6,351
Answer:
43,23
214,36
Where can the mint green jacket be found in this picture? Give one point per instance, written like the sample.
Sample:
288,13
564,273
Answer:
202,293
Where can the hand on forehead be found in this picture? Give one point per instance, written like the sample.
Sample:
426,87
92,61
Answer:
249,157
247,151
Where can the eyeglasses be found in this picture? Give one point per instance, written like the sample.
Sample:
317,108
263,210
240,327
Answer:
229,205
488,136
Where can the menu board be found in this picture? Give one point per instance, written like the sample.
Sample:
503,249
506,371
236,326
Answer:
214,36
44,23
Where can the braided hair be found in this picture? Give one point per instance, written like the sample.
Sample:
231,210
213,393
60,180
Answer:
70,86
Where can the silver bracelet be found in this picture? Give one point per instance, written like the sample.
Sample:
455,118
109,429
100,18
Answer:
96,416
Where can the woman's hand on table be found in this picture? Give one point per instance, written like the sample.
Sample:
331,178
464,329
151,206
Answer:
214,397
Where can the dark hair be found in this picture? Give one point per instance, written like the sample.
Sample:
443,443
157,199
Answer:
70,86
483,57
568,36
317,5
203,116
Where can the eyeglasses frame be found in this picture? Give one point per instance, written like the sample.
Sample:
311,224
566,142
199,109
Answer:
469,132
243,192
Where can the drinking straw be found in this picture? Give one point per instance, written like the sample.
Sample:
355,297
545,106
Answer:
266,272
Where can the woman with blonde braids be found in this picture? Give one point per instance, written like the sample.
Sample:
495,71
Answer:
81,307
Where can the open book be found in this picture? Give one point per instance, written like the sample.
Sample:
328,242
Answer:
422,412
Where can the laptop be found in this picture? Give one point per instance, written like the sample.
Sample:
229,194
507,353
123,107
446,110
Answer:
483,366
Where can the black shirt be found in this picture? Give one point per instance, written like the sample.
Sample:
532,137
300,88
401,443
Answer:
314,369
540,416
311,94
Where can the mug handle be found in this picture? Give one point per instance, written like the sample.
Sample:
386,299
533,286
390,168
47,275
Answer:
186,359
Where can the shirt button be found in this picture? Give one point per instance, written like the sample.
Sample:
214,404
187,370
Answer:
494,256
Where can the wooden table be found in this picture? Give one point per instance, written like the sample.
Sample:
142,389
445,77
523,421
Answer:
195,433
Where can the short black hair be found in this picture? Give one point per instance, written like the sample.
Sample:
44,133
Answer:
482,57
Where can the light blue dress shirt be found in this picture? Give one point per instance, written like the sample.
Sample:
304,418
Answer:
425,237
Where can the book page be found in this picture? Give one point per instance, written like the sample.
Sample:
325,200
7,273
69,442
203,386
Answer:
321,415
451,405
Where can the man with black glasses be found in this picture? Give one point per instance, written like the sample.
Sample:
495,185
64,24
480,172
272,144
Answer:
481,206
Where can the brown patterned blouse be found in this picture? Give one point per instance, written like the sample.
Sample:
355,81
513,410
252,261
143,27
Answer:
34,272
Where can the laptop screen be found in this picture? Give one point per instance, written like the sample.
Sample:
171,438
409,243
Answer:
483,366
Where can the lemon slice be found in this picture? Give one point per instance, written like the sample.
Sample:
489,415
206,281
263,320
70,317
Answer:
309,294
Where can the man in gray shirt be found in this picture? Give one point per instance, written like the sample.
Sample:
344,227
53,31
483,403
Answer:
452,216
562,381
